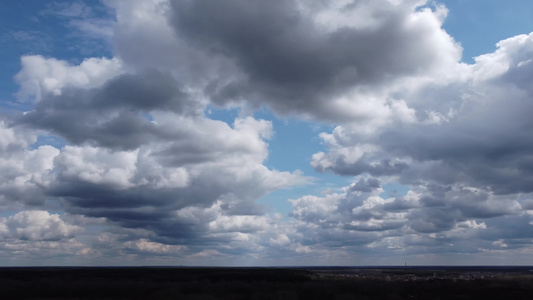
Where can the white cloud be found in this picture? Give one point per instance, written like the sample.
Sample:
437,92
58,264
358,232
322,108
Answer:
280,240
13,139
97,166
145,245
206,253
500,243
510,53
38,226
33,234
41,76
23,171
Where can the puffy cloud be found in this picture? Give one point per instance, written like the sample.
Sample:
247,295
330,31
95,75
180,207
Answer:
142,153
43,76
32,234
144,159
357,208
145,245
317,59
37,226
13,139
465,147
465,159
23,170
360,221
141,150
135,188
114,115
96,166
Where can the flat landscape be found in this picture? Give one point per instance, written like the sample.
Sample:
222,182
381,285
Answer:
266,283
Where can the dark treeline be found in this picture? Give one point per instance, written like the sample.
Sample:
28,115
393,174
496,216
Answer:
266,283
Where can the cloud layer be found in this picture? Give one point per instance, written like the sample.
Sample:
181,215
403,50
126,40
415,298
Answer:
144,172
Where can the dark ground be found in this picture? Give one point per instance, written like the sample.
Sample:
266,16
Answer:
267,283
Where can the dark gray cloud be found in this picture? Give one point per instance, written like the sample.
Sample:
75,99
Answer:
509,228
114,115
287,60
366,185
382,168
136,189
154,209
473,149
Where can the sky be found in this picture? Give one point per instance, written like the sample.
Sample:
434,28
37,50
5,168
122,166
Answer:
266,133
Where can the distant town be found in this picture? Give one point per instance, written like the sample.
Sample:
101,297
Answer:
452,274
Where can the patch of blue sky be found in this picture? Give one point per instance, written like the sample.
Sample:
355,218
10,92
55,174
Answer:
147,116
34,27
226,115
53,207
479,24
5,213
52,140
393,190
294,142
291,148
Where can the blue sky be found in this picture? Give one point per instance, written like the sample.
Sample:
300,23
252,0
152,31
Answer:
204,133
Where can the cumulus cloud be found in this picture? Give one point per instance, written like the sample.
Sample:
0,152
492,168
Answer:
141,153
145,245
37,226
466,147
29,234
143,158
361,221
140,150
43,76
469,167
315,60
23,170
157,180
